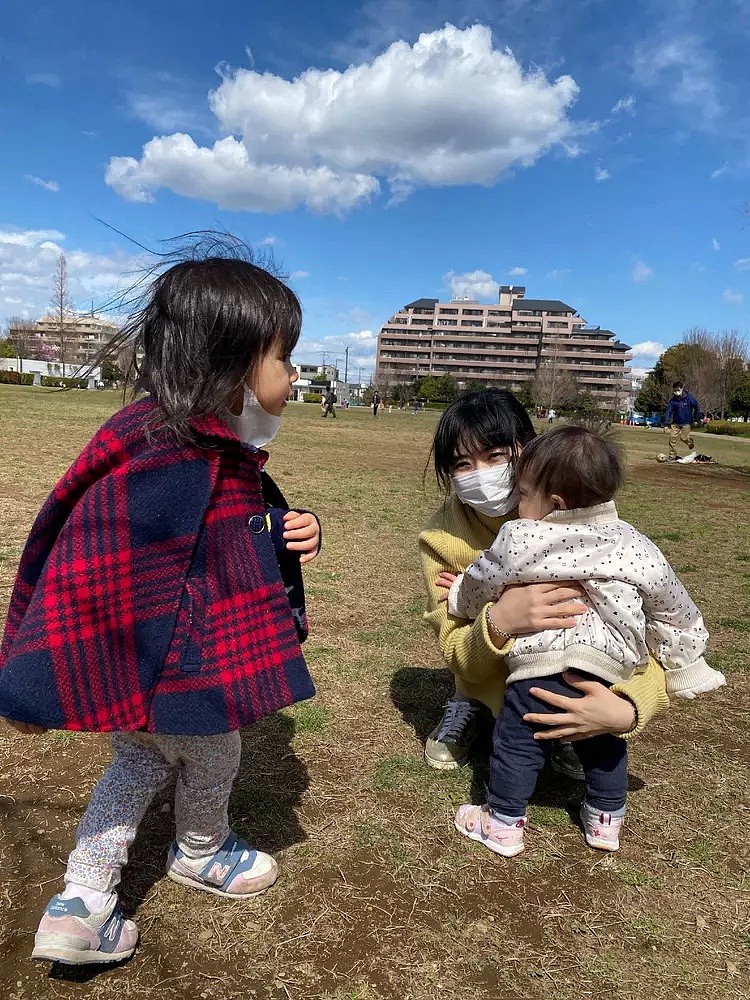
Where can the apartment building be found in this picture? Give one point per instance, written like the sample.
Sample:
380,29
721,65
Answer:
506,343
84,336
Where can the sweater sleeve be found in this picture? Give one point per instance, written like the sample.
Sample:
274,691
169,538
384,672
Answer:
466,646
675,632
648,693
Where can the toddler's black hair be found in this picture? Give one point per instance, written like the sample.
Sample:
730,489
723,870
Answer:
203,325
581,467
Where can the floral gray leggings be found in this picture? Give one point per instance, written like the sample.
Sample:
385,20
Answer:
141,764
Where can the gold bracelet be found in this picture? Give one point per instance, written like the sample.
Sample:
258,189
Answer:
494,631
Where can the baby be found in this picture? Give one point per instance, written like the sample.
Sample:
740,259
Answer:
569,530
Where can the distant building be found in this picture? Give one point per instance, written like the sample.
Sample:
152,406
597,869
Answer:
321,378
32,366
505,343
84,337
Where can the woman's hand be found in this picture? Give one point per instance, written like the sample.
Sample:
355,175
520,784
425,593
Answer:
525,608
302,534
27,728
445,581
598,711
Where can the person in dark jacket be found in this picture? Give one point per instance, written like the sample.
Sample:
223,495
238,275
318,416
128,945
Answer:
159,597
682,412
329,404
375,403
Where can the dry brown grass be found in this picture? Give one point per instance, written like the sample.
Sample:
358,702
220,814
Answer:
378,897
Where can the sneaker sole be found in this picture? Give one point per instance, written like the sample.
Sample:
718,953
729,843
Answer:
504,852
601,845
202,887
445,765
48,948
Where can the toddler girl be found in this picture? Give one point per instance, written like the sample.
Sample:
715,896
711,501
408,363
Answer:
569,530
150,601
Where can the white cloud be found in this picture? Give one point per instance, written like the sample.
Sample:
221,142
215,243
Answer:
743,264
641,271
477,285
295,275
648,349
601,173
44,79
47,185
733,298
448,110
558,272
362,346
517,272
720,171
681,68
269,241
715,243
27,262
626,105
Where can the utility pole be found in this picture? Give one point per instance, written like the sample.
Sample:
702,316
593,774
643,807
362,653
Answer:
346,364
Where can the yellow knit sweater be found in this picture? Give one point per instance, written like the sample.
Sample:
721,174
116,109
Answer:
452,539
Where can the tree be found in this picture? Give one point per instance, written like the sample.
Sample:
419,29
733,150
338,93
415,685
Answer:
474,385
7,350
447,389
62,308
739,403
23,335
553,386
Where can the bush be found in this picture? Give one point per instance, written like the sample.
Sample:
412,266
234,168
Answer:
16,378
58,382
434,406
728,427
312,397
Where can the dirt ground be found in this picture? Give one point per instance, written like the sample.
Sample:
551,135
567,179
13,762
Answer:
378,897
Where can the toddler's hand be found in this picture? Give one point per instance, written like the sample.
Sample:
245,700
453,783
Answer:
302,534
445,581
27,728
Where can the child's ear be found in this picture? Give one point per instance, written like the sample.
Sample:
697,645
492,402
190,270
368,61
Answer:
557,502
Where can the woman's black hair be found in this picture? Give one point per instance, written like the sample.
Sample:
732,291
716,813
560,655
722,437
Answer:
478,421
203,325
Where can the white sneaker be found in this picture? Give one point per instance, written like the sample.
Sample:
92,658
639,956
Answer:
601,830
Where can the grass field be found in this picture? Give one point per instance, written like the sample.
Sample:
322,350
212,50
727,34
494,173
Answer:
378,897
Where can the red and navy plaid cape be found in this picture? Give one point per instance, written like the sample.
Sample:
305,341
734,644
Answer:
149,595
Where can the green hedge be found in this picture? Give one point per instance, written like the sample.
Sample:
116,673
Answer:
16,378
59,382
728,427
312,397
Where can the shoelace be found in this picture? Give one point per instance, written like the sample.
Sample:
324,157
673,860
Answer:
457,718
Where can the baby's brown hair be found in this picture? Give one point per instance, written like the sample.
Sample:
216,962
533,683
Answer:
574,463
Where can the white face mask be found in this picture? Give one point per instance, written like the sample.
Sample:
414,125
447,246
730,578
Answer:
254,426
678,392
490,491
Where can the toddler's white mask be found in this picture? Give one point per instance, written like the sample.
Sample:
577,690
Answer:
490,491
255,426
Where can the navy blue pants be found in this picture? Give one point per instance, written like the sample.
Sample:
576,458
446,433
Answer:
517,758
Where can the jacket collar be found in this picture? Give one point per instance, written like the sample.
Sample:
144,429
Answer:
603,513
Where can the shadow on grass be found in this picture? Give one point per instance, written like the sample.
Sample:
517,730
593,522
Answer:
420,694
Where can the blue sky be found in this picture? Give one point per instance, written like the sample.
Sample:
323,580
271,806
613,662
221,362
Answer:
596,151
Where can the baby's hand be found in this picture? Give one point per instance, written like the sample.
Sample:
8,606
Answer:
445,581
302,534
27,728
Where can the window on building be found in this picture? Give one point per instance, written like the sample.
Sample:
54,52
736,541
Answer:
471,322
448,312
473,312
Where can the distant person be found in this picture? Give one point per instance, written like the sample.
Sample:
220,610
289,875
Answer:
376,403
551,416
683,410
329,404
415,407
151,600
569,528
